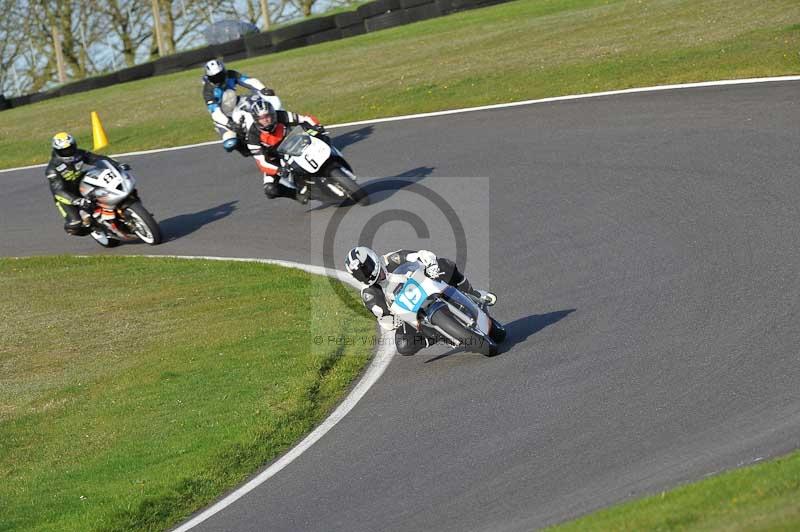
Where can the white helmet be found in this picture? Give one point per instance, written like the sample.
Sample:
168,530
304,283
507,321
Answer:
215,71
365,265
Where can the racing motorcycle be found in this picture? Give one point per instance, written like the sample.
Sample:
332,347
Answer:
118,215
312,157
439,310
237,107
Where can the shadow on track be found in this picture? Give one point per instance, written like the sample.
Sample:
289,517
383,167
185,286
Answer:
383,188
518,331
185,224
351,137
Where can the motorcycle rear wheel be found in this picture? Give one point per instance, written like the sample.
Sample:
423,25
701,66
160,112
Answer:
468,339
343,178
143,226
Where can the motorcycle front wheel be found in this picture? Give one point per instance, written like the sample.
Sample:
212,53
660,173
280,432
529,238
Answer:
343,178
142,224
467,339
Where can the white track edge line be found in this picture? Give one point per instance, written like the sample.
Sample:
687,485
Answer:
380,361
654,88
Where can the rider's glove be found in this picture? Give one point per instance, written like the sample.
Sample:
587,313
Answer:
84,203
231,124
284,172
267,92
428,259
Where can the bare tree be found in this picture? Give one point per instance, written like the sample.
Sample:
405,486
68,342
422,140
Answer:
129,22
12,39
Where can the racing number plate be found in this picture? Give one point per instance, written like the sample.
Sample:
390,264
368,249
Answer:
411,296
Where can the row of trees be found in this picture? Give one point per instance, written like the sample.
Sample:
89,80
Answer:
98,36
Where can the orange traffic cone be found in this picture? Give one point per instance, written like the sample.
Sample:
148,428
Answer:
99,137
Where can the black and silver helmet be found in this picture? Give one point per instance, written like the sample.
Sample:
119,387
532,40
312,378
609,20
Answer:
365,265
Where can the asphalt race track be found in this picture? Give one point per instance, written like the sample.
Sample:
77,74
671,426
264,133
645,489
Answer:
645,249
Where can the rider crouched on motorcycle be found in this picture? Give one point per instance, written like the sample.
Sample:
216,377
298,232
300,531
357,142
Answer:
64,173
216,81
268,129
372,270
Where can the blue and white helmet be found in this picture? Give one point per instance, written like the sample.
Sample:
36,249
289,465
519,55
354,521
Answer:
365,265
215,72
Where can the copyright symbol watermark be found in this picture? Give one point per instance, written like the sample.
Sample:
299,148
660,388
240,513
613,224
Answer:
446,215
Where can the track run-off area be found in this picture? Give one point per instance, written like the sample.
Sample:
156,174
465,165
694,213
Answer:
644,248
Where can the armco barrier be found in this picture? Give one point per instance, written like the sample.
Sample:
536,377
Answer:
373,16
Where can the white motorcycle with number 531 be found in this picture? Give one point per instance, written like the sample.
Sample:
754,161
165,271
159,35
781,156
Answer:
118,214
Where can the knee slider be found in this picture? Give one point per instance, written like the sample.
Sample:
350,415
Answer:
229,145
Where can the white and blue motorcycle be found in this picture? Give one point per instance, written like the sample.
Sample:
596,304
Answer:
441,311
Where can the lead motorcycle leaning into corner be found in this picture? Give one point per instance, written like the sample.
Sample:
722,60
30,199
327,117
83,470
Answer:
441,311
118,215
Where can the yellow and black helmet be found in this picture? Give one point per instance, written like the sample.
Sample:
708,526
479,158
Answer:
64,144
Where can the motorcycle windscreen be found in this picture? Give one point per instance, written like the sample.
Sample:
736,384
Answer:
456,298
229,101
294,143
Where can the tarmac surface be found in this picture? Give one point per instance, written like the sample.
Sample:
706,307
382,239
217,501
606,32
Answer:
645,251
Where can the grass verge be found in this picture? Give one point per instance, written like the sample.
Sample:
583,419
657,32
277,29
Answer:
754,498
520,50
134,391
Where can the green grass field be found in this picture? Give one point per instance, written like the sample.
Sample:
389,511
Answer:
761,497
134,391
520,50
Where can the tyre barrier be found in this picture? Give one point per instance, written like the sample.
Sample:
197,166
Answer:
423,12
145,70
347,19
379,7
324,36
369,17
387,20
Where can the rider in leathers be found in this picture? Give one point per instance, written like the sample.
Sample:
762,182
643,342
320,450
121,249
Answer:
216,81
368,268
64,173
268,128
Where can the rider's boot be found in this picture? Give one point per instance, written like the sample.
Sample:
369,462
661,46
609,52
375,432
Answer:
302,195
485,297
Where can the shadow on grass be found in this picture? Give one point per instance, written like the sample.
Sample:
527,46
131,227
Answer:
518,331
185,224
